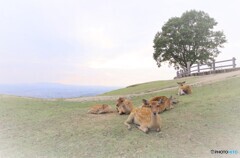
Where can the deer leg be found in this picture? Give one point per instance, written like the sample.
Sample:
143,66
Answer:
158,129
128,121
143,128
101,111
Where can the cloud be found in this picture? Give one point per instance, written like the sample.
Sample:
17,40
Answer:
117,77
94,37
132,59
95,42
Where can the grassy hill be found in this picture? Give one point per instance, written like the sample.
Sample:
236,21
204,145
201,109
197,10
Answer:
204,121
149,87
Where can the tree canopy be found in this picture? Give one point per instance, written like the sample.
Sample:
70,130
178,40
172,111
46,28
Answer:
189,38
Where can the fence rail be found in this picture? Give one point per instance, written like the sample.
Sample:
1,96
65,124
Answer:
211,67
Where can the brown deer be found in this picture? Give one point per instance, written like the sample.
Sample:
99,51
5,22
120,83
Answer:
100,109
124,106
167,102
184,88
147,118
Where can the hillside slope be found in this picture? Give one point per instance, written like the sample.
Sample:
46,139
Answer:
204,121
158,86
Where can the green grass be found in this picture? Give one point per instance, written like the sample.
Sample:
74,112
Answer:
208,119
150,86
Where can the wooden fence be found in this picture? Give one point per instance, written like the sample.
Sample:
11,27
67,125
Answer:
201,69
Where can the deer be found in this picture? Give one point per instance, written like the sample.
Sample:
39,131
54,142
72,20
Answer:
167,102
124,106
100,109
184,88
147,118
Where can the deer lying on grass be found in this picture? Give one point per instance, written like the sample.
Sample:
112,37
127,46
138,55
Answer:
167,102
184,88
100,109
171,99
124,106
147,118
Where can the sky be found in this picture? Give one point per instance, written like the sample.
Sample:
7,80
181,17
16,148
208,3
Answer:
93,42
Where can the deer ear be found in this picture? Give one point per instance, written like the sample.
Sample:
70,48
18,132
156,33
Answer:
184,82
170,97
178,82
145,102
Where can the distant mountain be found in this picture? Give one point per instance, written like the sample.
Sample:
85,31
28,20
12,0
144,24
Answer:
52,90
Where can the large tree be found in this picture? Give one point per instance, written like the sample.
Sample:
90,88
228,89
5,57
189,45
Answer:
189,38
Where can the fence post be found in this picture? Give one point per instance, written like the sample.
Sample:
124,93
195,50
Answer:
198,67
181,72
177,74
213,65
234,62
188,68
